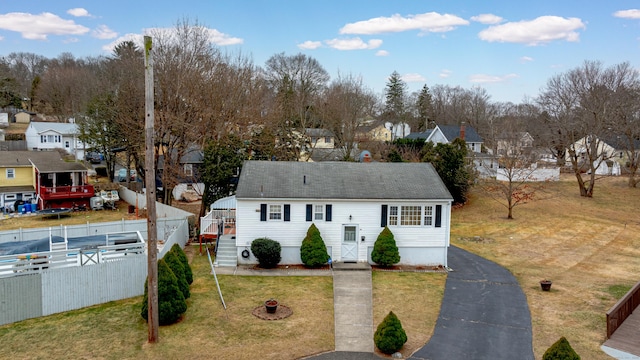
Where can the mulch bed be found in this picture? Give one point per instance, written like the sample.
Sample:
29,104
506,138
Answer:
281,312
395,268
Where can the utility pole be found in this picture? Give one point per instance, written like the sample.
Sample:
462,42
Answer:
150,184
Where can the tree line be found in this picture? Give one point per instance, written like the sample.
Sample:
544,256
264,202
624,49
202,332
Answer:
203,94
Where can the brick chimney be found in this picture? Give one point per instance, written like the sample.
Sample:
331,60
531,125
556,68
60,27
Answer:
462,130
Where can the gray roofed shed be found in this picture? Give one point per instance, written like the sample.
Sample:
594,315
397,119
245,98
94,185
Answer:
340,180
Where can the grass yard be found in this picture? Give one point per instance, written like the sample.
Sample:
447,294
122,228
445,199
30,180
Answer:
589,248
116,330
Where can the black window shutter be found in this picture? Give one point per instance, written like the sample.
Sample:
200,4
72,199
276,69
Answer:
383,218
328,212
309,212
438,215
287,212
263,212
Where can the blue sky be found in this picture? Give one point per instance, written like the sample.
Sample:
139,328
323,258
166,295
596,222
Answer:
510,48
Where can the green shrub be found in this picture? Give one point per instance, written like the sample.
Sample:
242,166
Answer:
385,252
390,336
561,350
171,302
185,262
267,252
175,264
313,251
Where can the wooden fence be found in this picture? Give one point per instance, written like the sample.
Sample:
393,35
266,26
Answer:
622,309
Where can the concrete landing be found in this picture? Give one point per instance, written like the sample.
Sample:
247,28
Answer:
353,310
351,266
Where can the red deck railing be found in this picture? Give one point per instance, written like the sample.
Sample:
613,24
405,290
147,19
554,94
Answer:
622,309
67,192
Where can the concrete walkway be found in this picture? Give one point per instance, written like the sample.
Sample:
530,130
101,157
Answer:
484,314
353,311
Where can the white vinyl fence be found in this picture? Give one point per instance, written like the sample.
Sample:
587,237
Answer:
44,283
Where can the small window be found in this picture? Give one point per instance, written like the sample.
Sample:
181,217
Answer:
188,169
11,173
428,215
43,139
11,197
275,212
327,139
393,215
318,212
66,144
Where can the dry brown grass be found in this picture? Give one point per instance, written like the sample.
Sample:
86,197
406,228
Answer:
586,246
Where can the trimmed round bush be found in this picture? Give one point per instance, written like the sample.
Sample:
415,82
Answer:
385,252
313,251
185,262
171,302
560,350
390,336
175,264
267,252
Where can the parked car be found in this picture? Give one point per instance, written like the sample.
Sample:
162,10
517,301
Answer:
122,175
93,157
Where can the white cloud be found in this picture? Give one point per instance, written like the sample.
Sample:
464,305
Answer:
1,38
484,78
71,40
427,22
103,32
382,53
354,44
445,73
487,19
541,30
137,39
526,59
38,27
215,37
628,14
79,12
413,77
310,45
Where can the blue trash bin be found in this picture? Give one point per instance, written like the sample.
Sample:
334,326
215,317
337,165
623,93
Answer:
21,209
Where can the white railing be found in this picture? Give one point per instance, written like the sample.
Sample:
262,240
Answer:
115,249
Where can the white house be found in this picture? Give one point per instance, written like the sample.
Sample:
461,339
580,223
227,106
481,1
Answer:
350,203
447,133
50,135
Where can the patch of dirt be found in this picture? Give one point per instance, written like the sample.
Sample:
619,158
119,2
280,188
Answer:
281,312
477,239
409,268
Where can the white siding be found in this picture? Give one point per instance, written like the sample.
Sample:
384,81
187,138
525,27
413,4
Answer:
365,214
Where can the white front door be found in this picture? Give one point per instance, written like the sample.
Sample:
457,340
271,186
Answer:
349,243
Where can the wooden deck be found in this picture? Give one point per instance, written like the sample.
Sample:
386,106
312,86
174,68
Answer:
627,337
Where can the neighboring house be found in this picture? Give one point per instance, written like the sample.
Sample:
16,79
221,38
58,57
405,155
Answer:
4,120
320,138
23,117
189,178
50,136
613,152
514,144
350,203
43,178
399,130
447,133
373,132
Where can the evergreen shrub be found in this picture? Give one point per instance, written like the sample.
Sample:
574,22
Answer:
313,251
560,350
171,302
385,251
267,252
390,336
185,262
173,260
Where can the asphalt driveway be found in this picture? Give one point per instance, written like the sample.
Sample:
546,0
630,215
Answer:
484,314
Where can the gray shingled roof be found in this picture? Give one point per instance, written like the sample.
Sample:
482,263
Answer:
44,161
340,180
451,132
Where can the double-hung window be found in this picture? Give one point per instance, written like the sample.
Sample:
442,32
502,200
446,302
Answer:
275,212
318,212
11,173
428,215
393,215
